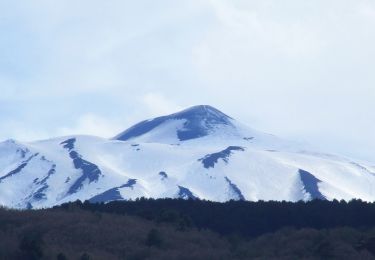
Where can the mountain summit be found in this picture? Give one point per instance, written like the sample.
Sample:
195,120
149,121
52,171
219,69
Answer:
191,123
198,153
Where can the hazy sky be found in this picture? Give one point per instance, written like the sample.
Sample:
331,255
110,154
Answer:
303,70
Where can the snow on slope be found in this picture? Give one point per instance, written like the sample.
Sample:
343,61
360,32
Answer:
197,153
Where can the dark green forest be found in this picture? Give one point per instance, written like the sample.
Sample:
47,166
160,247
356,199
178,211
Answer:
191,229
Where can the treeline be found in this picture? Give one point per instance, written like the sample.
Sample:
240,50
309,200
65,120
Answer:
187,229
244,218
84,235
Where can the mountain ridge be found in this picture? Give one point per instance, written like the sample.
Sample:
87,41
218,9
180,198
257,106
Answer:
197,153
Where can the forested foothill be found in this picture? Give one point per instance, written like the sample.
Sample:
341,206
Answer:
191,229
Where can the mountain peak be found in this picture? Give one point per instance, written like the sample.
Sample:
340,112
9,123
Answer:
203,112
201,109
197,121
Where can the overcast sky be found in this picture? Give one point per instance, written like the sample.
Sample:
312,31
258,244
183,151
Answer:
303,70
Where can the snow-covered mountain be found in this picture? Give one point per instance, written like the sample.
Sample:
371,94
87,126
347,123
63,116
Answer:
197,153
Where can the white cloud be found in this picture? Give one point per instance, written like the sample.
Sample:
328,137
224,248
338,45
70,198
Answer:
156,104
367,8
301,69
14,129
7,88
90,124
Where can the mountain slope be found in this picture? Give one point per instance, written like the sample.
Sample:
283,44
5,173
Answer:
197,153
